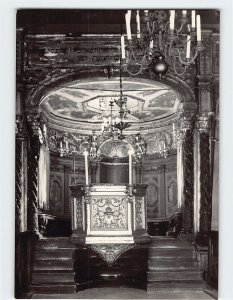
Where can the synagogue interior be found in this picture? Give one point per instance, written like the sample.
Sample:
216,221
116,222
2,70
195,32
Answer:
117,148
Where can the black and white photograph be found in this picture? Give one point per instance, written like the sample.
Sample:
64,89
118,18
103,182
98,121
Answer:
116,148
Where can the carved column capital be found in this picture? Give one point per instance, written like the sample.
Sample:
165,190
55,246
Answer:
186,122
38,129
34,122
20,126
186,125
203,122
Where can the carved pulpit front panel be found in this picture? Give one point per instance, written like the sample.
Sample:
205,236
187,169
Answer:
108,213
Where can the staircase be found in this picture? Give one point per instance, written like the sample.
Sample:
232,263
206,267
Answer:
53,267
171,265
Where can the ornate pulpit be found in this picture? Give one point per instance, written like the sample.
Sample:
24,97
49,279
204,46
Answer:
109,229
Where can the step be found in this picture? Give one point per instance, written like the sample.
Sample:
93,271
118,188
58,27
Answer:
52,277
53,289
175,287
158,260
175,275
54,254
53,265
170,241
54,243
176,268
170,252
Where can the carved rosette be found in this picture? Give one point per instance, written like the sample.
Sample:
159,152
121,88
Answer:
187,123
33,157
110,252
205,187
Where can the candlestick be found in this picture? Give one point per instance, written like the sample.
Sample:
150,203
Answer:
86,166
127,20
184,13
172,19
151,44
130,167
74,164
193,25
138,24
122,47
188,49
198,21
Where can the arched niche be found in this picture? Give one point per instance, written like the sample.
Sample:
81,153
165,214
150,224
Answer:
114,161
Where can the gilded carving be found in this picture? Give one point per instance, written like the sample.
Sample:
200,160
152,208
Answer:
109,213
110,252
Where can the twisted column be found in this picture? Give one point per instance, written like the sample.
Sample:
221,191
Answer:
205,184
19,181
33,156
188,173
18,184
185,173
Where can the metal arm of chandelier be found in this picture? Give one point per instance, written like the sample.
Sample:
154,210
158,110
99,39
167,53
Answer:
160,44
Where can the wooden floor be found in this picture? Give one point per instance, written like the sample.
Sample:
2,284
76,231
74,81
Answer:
128,293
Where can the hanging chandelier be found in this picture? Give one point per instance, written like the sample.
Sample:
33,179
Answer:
114,127
165,40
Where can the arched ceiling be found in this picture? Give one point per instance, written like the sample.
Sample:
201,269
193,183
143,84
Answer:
88,100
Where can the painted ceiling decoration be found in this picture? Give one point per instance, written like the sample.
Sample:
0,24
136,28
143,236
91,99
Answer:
88,100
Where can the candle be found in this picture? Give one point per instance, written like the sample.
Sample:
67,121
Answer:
193,25
130,167
45,129
127,20
151,44
172,19
138,24
188,47
184,13
60,144
198,21
74,164
86,166
122,47
67,145
173,127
